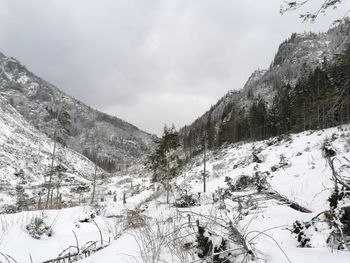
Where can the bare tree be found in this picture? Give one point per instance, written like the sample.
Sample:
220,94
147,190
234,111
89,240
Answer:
204,168
94,186
51,171
61,132
60,176
311,16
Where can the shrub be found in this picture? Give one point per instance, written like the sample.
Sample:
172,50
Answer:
208,243
38,227
327,149
10,209
339,219
87,217
300,229
134,219
186,200
258,180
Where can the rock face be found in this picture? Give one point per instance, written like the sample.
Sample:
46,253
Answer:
295,58
116,143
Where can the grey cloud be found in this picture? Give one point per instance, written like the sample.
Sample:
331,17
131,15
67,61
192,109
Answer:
141,59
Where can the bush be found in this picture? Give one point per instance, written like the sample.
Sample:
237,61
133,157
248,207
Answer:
208,243
10,209
87,217
258,180
300,229
38,227
340,220
339,238
327,149
186,200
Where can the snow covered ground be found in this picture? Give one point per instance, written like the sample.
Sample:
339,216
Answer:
291,169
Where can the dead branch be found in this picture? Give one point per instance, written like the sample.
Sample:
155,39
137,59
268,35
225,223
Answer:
99,230
8,257
335,175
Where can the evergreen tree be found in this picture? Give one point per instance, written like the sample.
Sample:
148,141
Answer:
258,119
164,161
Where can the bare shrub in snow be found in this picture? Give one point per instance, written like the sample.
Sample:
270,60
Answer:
258,180
299,229
220,240
327,149
87,216
134,219
283,163
80,189
21,198
160,237
209,245
335,222
38,227
339,220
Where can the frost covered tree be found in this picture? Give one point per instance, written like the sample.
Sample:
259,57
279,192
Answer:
21,198
61,133
81,189
58,177
321,8
164,161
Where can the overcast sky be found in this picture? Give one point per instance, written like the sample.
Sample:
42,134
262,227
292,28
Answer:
148,62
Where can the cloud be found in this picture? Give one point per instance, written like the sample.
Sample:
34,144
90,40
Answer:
175,109
141,59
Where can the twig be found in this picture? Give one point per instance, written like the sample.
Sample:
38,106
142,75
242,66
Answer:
99,230
76,240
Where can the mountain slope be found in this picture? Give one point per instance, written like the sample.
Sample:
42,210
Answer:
115,142
296,58
255,196
264,189
26,155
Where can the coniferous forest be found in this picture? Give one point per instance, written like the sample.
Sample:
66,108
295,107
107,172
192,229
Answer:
319,99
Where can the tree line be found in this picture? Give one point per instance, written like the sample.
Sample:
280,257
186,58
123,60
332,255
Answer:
319,99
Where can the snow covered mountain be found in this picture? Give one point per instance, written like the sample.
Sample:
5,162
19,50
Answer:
26,155
115,142
296,57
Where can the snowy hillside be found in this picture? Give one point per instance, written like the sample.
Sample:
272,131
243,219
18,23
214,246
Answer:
266,201
117,142
26,154
295,58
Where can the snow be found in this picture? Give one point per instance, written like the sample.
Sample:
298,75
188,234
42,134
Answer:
17,242
124,249
38,101
146,228
304,179
25,148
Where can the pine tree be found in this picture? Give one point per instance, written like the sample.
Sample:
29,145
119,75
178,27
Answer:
164,161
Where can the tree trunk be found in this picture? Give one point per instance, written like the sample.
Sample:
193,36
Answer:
57,195
60,202
167,185
204,168
39,203
51,171
51,199
94,186
304,128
